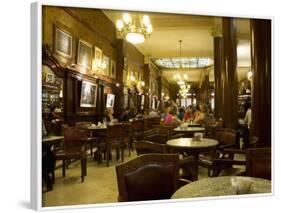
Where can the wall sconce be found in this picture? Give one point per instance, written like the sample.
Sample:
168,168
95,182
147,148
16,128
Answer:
249,75
132,78
61,94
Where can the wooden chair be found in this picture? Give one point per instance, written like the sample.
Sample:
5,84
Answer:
257,163
74,147
136,132
145,147
114,138
91,140
150,122
148,177
156,135
227,139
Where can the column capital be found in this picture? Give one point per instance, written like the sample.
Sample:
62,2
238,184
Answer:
216,29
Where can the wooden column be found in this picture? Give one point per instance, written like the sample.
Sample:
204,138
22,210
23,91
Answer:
100,106
206,90
119,75
230,82
146,81
261,88
159,82
218,66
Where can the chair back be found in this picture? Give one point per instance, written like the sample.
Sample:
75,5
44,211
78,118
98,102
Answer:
148,177
145,147
150,122
226,136
137,129
258,162
83,123
115,131
74,135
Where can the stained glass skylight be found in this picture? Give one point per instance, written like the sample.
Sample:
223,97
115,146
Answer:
172,63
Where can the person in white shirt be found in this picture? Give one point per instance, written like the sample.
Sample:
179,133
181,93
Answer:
153,114
248,117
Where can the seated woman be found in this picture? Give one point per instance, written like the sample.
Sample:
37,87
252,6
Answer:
188,115
109,116
202,116
170,117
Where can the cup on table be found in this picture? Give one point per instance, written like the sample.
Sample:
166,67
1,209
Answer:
197,136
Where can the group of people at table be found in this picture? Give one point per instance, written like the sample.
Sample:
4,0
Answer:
170,114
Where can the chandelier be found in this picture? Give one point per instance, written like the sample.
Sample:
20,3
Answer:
134,28
182,79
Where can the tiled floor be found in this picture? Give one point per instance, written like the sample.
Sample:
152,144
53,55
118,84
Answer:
100,185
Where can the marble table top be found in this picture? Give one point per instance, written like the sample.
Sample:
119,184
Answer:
222,186
190,143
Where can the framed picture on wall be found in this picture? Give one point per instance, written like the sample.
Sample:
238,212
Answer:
106,65
62,43
113,69
84,55
50,78
125,76
88,94
98,60
110,100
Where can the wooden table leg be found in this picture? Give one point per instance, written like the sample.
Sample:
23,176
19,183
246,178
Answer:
196,156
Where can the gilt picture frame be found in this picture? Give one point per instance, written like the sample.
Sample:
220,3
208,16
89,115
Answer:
98,60
113,69
106,63
62,42
84,54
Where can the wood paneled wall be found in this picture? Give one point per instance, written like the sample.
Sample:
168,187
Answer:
94,27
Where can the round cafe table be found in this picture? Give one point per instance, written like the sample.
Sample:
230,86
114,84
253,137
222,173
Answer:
222,186
192,147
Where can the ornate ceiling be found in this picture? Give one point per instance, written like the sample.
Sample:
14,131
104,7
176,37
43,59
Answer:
197,41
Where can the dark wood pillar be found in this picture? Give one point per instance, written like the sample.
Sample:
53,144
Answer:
230,87
261,88
146,89
100,108
206,90
218,66
119,75
159,82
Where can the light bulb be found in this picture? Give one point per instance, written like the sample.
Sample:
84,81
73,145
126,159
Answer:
149,28
127,18
119,25
145,20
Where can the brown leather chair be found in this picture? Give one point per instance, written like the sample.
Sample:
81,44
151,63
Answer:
227,139
74,148
186,164
148,177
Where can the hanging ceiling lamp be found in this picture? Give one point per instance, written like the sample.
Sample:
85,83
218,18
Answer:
134,28
182,79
